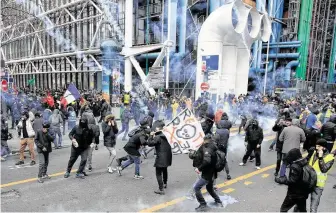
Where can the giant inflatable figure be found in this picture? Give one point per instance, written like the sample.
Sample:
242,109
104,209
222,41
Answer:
224,43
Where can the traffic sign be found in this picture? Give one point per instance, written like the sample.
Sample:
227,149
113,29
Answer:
4,85
205,86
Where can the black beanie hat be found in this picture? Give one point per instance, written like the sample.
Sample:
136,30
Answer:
321,142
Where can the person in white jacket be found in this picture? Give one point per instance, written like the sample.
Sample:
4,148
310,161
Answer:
27,134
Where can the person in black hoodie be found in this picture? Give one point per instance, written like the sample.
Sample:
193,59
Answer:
81,136
297,192
132,149
254,137
226,123
222,140
43,141
204,161
163,155
208,123
328,132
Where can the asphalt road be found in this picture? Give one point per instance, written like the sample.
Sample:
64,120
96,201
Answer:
249,190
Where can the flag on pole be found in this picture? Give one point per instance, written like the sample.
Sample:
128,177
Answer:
70,95
184,133
31,81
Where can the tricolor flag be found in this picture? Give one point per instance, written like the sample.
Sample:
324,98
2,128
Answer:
70,95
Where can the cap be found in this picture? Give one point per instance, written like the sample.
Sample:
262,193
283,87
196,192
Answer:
321,142
46,125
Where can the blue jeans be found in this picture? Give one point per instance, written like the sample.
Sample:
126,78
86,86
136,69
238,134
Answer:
132,159
209,187
57,132
124,128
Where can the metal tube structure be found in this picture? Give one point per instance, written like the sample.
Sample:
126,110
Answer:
282,46
128,42
265,77
282,55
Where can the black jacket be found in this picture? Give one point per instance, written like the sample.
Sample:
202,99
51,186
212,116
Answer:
296,188
4,128
205,160
110,134
226,124
222,136
133,145
206,126
278,129
95,109
328,131
104,109
43,140
163,150
254,135
83,136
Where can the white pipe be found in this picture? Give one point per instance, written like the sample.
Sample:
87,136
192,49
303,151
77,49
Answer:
265,79
167,67
160,57
128,43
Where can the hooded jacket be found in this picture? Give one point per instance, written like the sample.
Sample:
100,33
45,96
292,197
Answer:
205,160
296,187
226,123
29,127
55,119
43,140
328,129
83,135
254,134
278,128
222,136
133,145
163,150
109,132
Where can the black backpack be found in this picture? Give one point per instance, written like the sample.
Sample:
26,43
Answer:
220,160
309,177
134,131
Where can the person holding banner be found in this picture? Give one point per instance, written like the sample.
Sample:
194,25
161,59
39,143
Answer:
163,155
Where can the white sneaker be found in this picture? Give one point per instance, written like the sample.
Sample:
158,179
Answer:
242,164
257,167
109,169
138,177
113,169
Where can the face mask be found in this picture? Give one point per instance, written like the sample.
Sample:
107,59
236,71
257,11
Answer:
83,125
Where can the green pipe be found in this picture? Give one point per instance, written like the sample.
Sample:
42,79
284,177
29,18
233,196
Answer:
303,36
332,61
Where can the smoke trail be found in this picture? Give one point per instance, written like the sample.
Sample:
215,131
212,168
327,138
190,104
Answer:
111,9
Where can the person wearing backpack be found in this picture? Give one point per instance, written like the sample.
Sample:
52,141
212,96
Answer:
298,190
204,161
322,161
254,137
163,155
132,149
222,139
110,130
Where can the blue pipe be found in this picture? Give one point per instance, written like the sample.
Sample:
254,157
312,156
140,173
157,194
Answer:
282,55
269,68
288,69
183,25
283,46
213,5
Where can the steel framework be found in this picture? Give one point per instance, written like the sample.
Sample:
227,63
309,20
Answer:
57,41
321,39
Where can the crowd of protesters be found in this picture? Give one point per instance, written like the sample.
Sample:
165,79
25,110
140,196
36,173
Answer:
40,119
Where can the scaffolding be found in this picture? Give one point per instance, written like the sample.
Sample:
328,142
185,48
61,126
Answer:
291,32
320,40
57,41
